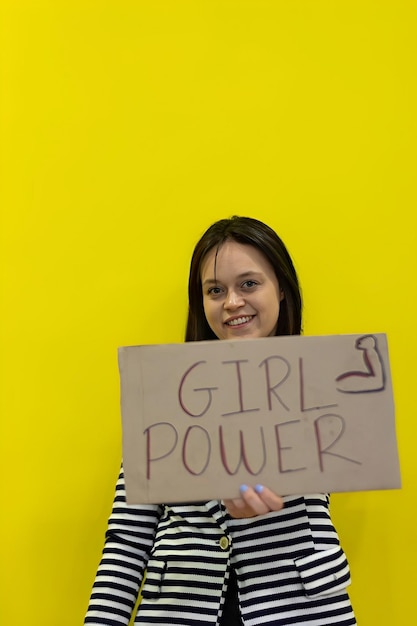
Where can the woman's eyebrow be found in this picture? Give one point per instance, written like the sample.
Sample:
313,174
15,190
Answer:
210,281
247,274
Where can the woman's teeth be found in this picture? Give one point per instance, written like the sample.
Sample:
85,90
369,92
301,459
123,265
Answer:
239,320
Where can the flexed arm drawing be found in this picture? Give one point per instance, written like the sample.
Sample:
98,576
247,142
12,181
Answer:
372,377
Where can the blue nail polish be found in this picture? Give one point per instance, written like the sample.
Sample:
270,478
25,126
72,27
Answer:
259,488
243,488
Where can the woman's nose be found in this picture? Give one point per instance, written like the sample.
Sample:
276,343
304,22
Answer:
233,301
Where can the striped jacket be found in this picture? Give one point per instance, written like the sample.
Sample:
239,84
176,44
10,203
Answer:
289,565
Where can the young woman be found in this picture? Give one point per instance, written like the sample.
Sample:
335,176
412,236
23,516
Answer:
258,559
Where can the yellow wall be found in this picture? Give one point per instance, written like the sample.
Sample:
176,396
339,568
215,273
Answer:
127,128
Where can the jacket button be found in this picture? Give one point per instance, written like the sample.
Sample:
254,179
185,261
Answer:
224,543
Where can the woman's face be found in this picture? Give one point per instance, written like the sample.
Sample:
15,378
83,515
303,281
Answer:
241,294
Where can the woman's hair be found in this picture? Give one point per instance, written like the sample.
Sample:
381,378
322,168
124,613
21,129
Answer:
249,231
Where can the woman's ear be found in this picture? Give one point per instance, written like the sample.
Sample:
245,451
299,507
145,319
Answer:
281,295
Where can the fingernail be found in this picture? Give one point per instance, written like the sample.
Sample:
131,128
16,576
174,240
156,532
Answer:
259,488
243,488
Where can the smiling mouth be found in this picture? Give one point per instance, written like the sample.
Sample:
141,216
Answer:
237,321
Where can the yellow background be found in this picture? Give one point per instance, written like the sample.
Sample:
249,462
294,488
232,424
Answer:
127,127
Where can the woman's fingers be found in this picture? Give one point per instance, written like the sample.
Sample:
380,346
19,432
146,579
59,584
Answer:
272,500
238,508
254,501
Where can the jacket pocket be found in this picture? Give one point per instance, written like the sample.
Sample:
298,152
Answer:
324,572
155,572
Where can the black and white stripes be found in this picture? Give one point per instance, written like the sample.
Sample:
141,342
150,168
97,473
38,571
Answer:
289,565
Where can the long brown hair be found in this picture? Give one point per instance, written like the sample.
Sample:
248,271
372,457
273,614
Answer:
245,230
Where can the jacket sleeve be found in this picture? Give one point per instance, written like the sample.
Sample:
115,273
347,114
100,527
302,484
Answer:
129,539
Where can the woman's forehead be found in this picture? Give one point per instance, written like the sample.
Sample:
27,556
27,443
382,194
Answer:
232,256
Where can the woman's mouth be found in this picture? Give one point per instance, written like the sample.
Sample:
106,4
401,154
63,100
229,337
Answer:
237,321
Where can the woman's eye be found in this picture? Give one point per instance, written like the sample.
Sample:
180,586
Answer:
214,291
249,283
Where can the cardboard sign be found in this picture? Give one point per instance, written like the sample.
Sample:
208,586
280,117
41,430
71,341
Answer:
298,414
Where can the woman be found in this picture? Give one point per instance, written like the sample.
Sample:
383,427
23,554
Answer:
258,559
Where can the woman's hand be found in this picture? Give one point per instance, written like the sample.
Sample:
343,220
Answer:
254,501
